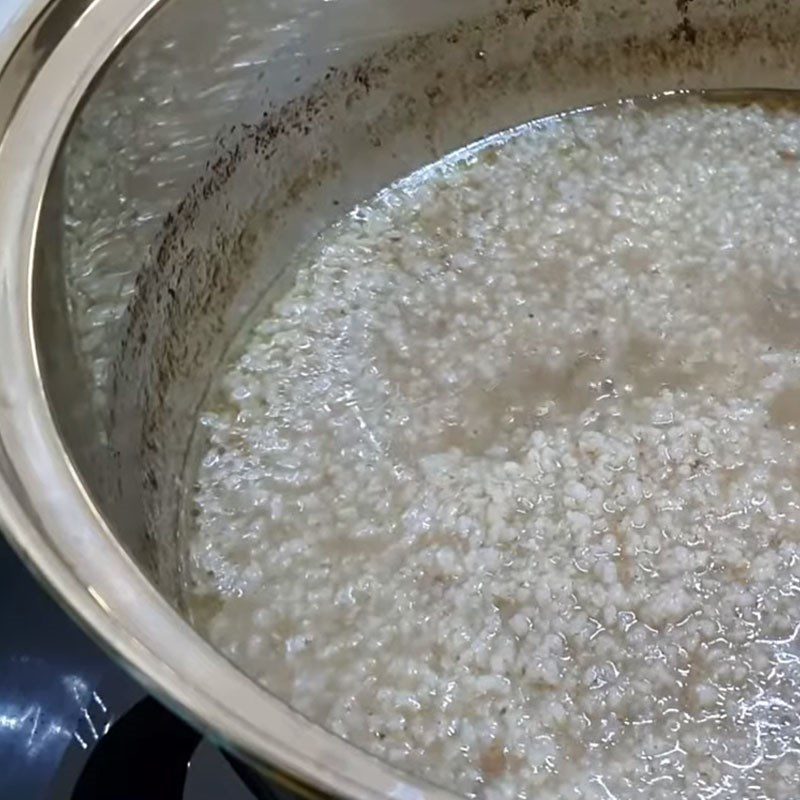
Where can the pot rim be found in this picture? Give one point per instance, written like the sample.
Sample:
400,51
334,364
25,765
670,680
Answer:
45,509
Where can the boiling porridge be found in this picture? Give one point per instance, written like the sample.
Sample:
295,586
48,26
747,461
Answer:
506,488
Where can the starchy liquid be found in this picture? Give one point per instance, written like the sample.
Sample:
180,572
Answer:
506,488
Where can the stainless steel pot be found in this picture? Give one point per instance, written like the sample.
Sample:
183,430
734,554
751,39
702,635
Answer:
159,163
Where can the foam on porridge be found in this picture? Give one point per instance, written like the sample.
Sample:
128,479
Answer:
506,488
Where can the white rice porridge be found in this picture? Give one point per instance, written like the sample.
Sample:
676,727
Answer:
506,488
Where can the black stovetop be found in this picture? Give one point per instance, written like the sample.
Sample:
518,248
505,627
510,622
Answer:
75,726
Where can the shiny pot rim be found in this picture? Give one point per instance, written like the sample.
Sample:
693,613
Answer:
50,54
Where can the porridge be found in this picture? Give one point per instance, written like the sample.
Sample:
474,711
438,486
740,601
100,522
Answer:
506,488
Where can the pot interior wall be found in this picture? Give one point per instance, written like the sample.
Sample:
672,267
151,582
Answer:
217,143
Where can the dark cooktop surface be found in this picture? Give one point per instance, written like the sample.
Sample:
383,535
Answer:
74,726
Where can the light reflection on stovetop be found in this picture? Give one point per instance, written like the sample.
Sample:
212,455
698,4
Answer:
60,696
